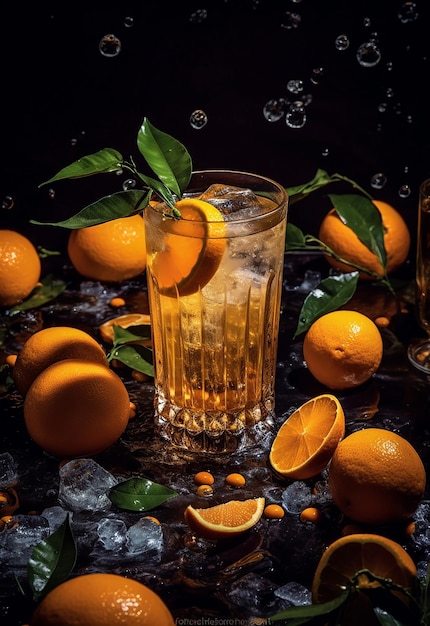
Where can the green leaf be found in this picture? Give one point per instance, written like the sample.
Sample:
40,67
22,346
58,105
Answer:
331,293
320,179
101,162
49,289
295,238
362,216
166,156
304,614
139,494
135,356
160,189
139,332
52,560
121,204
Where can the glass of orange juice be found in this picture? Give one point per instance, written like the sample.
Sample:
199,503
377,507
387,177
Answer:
214,286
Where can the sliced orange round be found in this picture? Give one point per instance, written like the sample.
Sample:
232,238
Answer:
125,321
191,250
225,520
306,441
341,567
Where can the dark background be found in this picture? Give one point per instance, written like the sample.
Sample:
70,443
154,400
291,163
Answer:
62,99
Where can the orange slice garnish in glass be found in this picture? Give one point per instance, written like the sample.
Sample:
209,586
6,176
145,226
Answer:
225,520
308,438
192,249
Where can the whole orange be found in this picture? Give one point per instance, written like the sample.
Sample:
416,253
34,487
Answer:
342,349
50,345
376,477
76,408
20,267
111,252
102,599
345,243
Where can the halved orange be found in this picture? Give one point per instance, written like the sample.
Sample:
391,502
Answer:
341,566
307,440
225,520
128,319
191,253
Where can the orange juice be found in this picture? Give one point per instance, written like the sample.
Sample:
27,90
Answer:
214,293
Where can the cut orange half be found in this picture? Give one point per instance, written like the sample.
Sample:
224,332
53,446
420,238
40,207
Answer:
128,319
225,520
192,249
307,440
341,566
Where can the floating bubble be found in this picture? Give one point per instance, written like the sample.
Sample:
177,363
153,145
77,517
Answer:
110,46
368,54
128,21
306,99
291,20
130,183
341,42
389,66
409,119
367,22
274,109
406,169
325,152
382,107
51,194
317,74
198,16
73,141
389,92
408,12
7,203
198,119
295,86
296,116
404,191
378,181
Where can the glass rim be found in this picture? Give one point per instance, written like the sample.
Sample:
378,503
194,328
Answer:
277,189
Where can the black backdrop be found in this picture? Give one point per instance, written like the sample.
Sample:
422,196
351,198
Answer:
62,99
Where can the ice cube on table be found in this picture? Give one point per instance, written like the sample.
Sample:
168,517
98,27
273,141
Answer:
295,594
112,533
18,541
146,537
84,486
8,470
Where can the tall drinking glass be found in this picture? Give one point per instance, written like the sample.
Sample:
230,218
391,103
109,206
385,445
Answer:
419,353
214,294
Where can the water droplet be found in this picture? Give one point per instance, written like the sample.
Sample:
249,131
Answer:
119,172
341,42
389,66
406,169
198,16
291,20
198,119
7,203
51,194
274,109
129,21
296,116
389,92
306,99
367,22
368,54
295,86
404,191
325,152
382,107
317,74
408,12
110,46
130,183
378,181
409,119
73,141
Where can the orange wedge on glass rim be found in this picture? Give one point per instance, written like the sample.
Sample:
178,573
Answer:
192,249
225,520
307,440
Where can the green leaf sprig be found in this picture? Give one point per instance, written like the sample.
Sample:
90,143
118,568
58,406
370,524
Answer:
126,349
139,494
168,159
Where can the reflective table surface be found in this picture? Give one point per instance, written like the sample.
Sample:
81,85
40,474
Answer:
248,577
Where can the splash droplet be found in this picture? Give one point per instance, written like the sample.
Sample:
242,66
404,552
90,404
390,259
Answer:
51,194
7,203
291,20
404,191
296,116
341,42
130,183
408,12
198,119
378,181
274,109
325,152
128,21
295,86
110,46
368,54
317,74
198,16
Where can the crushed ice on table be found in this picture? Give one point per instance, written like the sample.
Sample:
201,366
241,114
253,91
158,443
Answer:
295,594
84,485
296,497
55,515
233,202
8,470
18,540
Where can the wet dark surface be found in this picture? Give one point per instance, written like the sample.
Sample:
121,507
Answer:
241,577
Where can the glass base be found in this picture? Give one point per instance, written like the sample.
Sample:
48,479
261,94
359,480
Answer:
419,355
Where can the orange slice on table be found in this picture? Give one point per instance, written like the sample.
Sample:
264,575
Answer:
339,566
125,321
191,253
307,440
225,520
